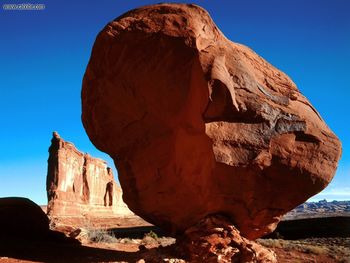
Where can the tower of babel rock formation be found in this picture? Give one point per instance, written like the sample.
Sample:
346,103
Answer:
80,185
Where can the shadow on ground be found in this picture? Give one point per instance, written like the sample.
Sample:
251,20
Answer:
52,250
337,226
58,252
136,232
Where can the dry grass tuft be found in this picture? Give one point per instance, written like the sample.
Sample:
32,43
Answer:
101,236
293,245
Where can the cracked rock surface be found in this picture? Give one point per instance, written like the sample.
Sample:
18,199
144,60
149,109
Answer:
200,125
214,239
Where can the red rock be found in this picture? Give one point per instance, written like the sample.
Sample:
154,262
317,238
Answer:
199,125
215,239
80,185
22,219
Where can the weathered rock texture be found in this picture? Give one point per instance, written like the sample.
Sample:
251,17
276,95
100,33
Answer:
214,239
80,185
199,125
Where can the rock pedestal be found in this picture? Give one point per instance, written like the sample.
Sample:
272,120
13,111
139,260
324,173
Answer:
214,239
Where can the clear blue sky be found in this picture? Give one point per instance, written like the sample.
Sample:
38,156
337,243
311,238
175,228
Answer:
43,55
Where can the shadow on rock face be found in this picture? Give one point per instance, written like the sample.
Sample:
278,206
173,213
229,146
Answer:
21,220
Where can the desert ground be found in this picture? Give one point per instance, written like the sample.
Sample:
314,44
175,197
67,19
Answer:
131,239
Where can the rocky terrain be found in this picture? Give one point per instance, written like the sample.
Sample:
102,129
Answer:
317,220
319,209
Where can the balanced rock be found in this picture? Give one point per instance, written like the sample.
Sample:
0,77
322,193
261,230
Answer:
198,125
80,185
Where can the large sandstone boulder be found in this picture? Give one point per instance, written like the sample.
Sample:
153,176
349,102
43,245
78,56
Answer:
199,125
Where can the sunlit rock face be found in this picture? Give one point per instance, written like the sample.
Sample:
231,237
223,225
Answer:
200,125
80,185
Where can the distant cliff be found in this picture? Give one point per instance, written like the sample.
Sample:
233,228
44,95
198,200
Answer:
79,185
315,219
319,209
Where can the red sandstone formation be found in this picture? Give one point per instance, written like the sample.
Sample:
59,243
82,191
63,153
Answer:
214,239
80,185
198,125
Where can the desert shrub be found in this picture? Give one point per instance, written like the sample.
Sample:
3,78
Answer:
317,250
152,235
101,236
271,243
150,239
293,245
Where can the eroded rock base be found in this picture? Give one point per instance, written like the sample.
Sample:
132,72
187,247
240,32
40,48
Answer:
215,239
